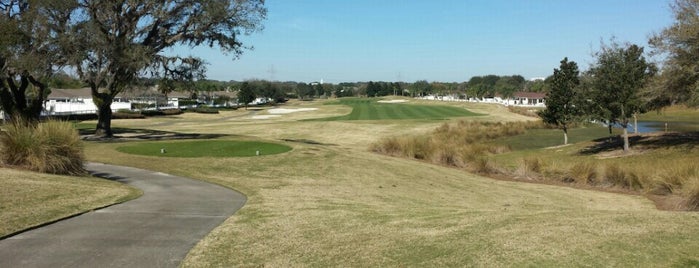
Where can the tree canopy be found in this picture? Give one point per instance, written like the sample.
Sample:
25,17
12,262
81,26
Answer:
620,74
246,94
679,79
29,52
561,108
112,43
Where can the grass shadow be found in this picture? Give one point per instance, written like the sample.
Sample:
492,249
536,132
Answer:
306,141
129,134
646,141
109,176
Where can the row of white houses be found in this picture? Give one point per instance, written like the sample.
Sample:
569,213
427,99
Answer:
524,99
79,101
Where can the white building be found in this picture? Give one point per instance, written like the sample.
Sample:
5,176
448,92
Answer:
77,101
525,99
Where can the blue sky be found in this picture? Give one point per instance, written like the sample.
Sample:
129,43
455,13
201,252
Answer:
442,40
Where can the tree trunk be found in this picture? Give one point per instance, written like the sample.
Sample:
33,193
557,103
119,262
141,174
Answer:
565,135
626,138
635,123
609,125
104,118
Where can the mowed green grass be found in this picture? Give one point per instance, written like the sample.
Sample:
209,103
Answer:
542,138
370,109
205,148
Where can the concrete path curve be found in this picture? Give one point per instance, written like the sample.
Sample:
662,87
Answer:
154,230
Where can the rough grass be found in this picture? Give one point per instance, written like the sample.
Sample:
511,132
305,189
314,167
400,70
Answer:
205,148
462,144
28,199
50,147
370,109
657,165
335,204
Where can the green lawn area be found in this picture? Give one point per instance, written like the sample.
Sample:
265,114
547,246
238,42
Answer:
205,148
370,109
672,114
542,138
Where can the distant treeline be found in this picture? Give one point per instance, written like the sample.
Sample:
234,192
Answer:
477,86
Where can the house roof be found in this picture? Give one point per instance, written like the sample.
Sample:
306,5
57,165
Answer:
57,93
529,95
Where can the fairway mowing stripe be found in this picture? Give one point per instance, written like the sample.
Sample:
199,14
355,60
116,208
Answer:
427,112
354,115
361,112
410,112
400,112
369,109
449,111
391,112
373,113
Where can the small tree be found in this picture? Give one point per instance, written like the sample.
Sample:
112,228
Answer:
246,94
619,75
561,109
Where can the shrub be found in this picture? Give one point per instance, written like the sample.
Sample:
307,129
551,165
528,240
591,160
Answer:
583,173
690,192
620,177
671,180
161,112
50,147
483,165
204,110
446,154
530,167
388,146
129,115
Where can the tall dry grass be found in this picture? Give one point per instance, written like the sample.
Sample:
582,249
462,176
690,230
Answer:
50,147
463,144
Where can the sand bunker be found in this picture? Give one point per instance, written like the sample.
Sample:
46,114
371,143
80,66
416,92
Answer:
392,101
266,116
288,110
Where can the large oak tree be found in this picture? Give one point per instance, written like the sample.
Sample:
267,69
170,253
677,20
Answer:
113,42
31,32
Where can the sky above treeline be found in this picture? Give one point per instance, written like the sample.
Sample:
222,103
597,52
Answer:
446,40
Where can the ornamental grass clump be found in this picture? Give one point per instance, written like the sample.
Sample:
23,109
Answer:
50,147
464,144
583,173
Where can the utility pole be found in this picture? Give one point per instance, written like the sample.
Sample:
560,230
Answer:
272,71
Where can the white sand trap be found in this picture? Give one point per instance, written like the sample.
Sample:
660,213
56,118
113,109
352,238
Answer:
266,116
288,111
392,101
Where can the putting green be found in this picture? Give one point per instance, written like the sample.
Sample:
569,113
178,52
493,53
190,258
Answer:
205,148
370,109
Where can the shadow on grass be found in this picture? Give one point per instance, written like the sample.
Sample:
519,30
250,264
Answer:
305,141
109,176
644,141
130,134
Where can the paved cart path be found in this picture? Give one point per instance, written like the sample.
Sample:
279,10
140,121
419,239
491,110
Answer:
154,230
